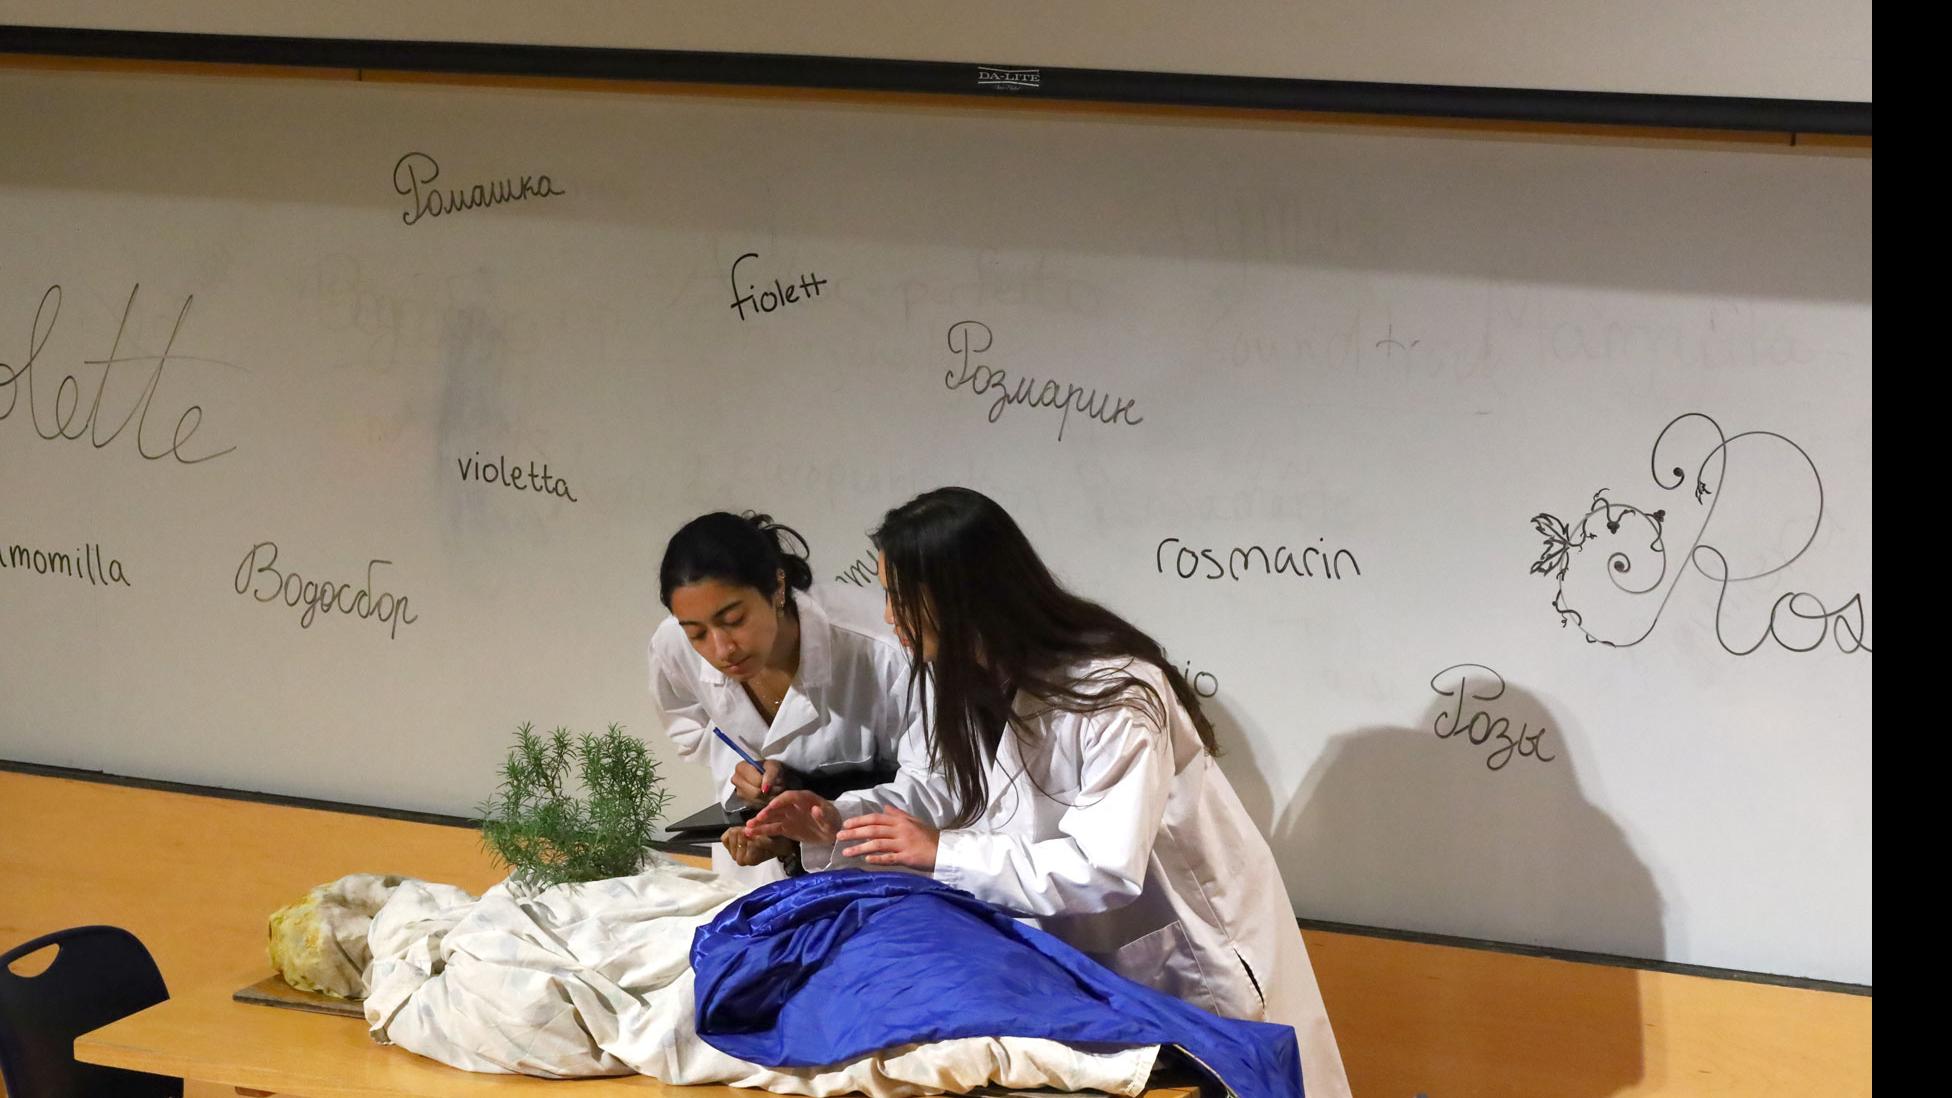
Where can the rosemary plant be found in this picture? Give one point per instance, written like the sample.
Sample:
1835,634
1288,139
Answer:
546,835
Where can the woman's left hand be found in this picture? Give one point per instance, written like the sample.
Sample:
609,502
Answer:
751,850
890,837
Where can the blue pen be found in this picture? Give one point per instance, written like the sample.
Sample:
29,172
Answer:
740,751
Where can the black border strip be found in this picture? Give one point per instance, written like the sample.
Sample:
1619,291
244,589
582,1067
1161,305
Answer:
1416,937
959,78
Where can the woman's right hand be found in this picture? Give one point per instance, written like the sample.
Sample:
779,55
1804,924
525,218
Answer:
754,787
797,814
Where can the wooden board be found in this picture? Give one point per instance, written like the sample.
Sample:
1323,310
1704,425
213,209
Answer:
273,991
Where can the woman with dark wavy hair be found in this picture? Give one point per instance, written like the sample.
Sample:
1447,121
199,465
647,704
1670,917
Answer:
1079,780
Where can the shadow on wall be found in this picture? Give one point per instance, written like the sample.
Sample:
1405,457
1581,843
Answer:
1470,823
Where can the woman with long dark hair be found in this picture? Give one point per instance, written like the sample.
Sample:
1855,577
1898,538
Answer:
750,649
1081,786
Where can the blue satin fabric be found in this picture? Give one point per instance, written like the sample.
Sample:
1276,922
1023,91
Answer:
815,970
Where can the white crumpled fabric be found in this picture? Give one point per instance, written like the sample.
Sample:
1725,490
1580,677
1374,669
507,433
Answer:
595,979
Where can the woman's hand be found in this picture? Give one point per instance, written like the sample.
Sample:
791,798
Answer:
756,787
890,837
751,850
799,815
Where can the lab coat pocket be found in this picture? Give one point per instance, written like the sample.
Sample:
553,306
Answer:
1162,959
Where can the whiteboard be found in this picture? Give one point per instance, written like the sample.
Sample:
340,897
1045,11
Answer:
1317,391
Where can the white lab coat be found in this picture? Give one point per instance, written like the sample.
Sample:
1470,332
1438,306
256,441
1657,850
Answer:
848,708
1129,843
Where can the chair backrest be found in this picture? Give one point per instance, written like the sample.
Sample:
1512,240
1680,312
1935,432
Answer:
100,973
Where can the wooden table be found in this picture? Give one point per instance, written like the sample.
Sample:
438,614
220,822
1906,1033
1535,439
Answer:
202,1035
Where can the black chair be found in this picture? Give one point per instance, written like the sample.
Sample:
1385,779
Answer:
100,974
